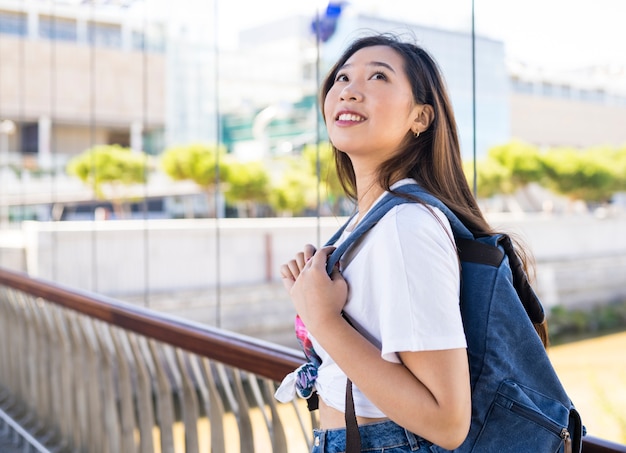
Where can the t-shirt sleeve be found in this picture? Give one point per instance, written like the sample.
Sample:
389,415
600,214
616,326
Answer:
418,282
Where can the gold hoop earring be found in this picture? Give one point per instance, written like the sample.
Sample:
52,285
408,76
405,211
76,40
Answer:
416,134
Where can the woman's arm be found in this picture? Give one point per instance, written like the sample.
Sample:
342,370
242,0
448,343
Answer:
429,393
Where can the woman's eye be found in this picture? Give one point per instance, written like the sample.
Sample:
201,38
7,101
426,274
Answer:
379,76
341,78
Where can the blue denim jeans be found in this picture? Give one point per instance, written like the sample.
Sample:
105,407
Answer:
386,437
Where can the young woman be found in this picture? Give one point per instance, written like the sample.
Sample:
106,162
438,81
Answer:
390,123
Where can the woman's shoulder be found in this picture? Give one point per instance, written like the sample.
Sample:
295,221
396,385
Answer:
415,223
418,215
418,210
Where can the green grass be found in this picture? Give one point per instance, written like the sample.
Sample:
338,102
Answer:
593,372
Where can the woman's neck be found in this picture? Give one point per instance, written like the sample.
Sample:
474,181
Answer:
368,191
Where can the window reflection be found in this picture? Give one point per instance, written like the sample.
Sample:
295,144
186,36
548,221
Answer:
52,27
13,23
243,77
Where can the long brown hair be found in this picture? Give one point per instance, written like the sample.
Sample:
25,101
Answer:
434,158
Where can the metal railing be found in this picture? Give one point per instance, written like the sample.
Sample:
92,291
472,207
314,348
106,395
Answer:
84,373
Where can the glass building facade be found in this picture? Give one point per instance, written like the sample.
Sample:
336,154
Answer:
242,77
141,75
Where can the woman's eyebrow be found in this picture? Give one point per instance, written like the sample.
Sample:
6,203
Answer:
372,63
383,64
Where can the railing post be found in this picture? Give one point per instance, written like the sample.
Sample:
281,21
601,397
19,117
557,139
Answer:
279,440
164,399
68,416
79,369
3,344
189,406
112,440
145,406
30,356
16,331
242,411
43,372
92,385
215,410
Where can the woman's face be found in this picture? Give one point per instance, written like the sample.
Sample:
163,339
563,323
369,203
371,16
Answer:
369,109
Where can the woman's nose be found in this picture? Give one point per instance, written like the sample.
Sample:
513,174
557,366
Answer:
351,93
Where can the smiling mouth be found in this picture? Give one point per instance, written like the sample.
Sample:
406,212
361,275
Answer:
350,117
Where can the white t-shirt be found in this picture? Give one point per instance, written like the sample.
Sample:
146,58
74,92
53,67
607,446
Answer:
404,286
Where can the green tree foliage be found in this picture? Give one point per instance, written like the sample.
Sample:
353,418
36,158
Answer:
615,160
330,188
248,184
591,175
586,175
244,183
620,168
111,167
505,169
492,177
295,189
521,161
247,181
197,162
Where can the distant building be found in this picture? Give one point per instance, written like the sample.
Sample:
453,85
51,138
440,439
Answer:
581,108
268,89
75,75
452,50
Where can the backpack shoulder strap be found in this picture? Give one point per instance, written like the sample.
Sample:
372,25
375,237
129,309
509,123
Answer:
469,248
458,228
390,200
353,440
485,250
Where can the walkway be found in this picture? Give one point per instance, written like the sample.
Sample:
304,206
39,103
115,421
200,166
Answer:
15,438
7,446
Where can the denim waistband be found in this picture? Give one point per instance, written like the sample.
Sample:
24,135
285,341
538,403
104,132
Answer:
382,435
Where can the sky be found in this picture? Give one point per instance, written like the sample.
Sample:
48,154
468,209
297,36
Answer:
559,33
552,34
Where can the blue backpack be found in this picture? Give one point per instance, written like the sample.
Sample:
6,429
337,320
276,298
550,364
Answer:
518,402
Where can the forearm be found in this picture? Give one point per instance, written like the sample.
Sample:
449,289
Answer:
428,394
441,417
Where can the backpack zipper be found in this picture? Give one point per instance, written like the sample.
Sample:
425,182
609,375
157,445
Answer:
567,441
563,433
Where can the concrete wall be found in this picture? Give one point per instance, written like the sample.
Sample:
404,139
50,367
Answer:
126,257
580,259
226,272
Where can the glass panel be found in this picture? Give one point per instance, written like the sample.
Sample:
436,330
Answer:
107,35
13,23
57,28
243,77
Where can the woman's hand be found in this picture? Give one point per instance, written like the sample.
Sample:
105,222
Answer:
289,271
316,296
428,393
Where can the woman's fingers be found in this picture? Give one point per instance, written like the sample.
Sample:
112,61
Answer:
290,271
286,272
296,265
321,256
292,268
309,251
303,257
